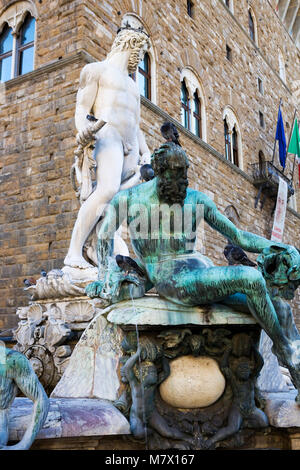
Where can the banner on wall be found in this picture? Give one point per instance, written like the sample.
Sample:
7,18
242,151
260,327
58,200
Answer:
280,211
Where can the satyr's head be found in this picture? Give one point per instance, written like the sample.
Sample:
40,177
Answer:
243,371
170,165
280,266
134,40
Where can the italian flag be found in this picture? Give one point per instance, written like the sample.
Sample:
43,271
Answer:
294,146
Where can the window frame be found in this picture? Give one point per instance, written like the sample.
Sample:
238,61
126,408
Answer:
235,147
227,141
197,116
147,76
233,138
186,107
10,53
190,8
17,47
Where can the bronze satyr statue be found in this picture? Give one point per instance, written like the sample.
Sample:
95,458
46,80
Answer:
180,273
17,372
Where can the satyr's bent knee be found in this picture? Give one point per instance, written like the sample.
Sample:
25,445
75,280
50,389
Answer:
253,278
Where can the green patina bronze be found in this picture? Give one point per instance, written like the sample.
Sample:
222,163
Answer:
183,275
16,373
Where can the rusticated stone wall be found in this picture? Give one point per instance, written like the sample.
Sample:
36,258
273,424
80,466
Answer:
37,128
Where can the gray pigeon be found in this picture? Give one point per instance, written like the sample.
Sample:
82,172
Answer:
235,256
128,265
147,172
170,133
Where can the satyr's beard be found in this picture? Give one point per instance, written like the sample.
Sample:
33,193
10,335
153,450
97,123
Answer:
172,192
133,61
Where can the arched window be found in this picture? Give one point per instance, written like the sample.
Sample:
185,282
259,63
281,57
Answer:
197,124
185,106
192,104
227,141
144,78
235,147
229,4
251,26
17,41
25,46
233,140
6,50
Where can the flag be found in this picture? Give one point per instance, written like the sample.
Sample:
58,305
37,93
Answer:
294,146
280,136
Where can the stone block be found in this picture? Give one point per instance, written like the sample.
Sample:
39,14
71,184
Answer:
69,418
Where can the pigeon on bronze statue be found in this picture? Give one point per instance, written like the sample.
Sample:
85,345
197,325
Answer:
147,172
170,133
128,265
235,256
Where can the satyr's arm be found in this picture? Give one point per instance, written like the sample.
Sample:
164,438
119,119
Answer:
30,386
246,240
86,95
127,369
259,362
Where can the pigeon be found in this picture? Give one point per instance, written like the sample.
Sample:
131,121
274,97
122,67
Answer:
147,172
29,282
235,255
170,133
43,273
91,118
128,265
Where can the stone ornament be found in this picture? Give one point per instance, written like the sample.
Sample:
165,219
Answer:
178,397
59,284
15,14
44,333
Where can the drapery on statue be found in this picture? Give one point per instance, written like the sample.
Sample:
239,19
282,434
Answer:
182,275
16,372
109,100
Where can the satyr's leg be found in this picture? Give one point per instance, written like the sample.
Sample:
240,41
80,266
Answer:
258,419
214,284
4,427
137,426
234,424
158,423
109,156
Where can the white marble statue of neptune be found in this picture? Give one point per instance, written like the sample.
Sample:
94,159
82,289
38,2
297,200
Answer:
107,92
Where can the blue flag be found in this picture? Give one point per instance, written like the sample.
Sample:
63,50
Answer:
280,136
